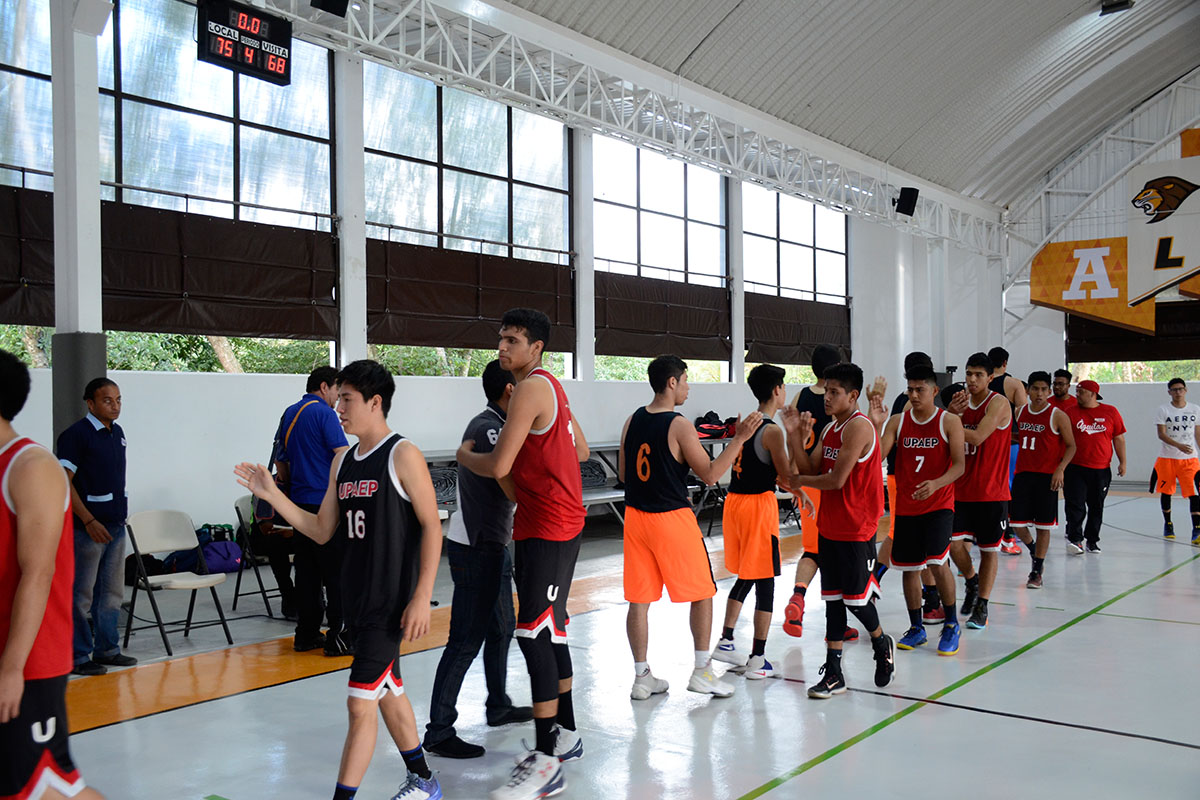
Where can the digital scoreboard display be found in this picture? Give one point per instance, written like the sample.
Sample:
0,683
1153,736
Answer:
245,40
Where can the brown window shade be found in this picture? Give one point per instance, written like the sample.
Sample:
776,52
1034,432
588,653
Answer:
780,330
447,298
171,272
1177,336
648,317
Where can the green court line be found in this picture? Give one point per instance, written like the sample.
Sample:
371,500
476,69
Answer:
215,797
904,712
1150,619
1050,608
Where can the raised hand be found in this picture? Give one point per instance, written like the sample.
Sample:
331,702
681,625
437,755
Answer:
878,388
746,427
257,478
876,412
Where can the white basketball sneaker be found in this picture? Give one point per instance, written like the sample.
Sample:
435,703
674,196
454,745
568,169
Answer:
705,681
536,775
646,685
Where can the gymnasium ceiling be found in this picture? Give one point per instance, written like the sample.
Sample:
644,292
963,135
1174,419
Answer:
978,96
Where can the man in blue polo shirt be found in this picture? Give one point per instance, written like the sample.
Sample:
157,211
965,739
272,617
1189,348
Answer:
481,611
93,453
308,438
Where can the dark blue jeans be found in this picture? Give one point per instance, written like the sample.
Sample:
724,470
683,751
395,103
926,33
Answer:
99,588
481,615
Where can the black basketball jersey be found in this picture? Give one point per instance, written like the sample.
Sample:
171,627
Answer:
813,403
754,471
654,480
996,384
381,536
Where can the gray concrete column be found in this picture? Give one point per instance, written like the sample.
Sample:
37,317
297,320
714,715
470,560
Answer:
585,264
79,346
735,271
350,167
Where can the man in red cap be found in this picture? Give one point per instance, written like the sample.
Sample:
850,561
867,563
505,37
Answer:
1099,430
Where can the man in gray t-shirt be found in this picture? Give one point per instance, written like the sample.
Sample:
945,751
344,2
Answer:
481,613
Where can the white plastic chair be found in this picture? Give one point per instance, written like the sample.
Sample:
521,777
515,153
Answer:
161,532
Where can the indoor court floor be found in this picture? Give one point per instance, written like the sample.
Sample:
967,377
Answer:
1084,689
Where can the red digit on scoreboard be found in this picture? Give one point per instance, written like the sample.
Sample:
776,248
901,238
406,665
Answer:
248,55
226,47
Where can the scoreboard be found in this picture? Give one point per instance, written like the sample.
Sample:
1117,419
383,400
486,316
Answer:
245,40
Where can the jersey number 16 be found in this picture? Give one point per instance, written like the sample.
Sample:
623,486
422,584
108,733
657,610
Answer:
356,523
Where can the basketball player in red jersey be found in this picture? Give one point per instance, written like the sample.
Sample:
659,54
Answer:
929,458
37,566
1047,445
981,492
847,468
537,456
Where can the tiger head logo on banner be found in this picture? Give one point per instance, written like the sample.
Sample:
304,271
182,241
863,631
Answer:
1164,226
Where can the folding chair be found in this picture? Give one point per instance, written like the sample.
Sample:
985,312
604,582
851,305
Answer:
161,532
243,507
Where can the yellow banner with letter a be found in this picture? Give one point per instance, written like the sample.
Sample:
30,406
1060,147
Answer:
1089,278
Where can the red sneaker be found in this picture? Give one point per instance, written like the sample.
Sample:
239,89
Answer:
851,634
793,616
1010,547
933,616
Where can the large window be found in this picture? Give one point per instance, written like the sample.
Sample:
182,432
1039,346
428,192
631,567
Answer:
446,168
656,216
175,133
791,247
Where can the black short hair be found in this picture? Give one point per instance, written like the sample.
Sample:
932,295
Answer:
1064,373
95,385
981,360
1174,381
495,380
662,369
848,376
763,380
370,378
325,375
999,357
1039,375
915,359
947,394
824,356
535,324
921,372
14,385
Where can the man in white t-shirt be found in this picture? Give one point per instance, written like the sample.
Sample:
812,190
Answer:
1180,437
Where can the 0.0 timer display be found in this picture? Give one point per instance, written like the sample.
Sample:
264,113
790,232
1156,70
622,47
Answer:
245,40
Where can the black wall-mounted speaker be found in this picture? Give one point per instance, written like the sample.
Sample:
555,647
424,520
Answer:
331,6
906,203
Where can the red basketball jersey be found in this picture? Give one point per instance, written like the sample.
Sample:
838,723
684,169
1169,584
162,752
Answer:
549,486
922,454
51,655
1039,438
985,477
851,514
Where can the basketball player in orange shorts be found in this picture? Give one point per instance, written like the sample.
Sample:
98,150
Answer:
663,544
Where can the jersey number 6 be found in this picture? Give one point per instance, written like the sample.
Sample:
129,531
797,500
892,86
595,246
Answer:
643,463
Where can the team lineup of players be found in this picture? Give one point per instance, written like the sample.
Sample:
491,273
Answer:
951,456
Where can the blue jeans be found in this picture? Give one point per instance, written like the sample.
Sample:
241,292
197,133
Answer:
481,615
99,589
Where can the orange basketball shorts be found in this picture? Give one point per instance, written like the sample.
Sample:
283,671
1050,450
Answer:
666,549
808,522
1173,470
751,528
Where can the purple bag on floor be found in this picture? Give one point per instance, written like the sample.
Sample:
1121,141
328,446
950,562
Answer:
222,556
